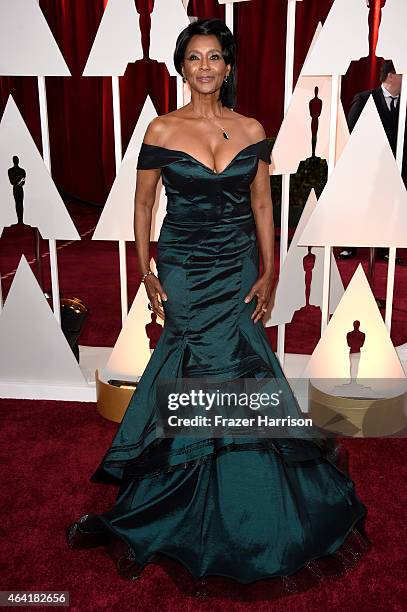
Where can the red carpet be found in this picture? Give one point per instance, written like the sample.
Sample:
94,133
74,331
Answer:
48,452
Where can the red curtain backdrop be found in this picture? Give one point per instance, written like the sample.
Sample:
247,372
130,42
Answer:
80,109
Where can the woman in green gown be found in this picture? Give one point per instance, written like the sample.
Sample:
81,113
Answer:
248,507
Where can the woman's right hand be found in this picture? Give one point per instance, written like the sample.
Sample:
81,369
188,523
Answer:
155,293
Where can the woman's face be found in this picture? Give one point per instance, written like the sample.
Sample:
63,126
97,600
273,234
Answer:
204,66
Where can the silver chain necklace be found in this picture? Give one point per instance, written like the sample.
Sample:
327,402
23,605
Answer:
225,134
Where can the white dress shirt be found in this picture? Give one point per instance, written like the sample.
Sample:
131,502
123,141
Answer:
388,97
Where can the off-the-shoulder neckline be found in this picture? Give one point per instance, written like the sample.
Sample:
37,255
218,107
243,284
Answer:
253,144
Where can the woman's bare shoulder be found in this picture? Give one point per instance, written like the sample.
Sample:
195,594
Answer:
248,125
254,129
155,131
160,128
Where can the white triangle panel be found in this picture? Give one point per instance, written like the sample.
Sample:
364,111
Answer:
168,19
131,352
32,345
43,206
117,219
344,38
297,123
233,1
392,42
289,295
27,45
296,127
364,202
159,212
378,357
117,42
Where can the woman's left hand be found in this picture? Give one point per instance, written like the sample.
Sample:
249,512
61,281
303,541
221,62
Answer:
261,288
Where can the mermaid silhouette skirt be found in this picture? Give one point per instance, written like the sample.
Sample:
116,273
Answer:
246,508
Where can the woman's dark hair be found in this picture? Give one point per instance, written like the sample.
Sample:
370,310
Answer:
218,28
386,69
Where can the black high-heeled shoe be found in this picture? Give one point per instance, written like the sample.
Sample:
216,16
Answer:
78,537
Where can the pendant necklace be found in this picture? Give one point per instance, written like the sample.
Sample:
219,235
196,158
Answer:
225,134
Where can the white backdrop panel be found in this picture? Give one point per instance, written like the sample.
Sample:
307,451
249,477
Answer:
43,206
344,37
27,46
289,295
32,345
392,43
379,359
168,19
131,352
296,127
117,219
117,42
364,202
159,212
233,1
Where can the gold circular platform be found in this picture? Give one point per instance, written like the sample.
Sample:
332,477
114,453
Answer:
355,417
112,401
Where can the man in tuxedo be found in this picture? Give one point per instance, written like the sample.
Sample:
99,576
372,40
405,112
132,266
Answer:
386,98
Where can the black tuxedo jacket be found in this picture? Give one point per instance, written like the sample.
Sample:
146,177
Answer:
389,120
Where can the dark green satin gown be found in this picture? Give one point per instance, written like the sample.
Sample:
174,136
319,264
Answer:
245,508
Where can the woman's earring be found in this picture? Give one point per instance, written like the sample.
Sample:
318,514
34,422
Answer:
184,79
226,79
